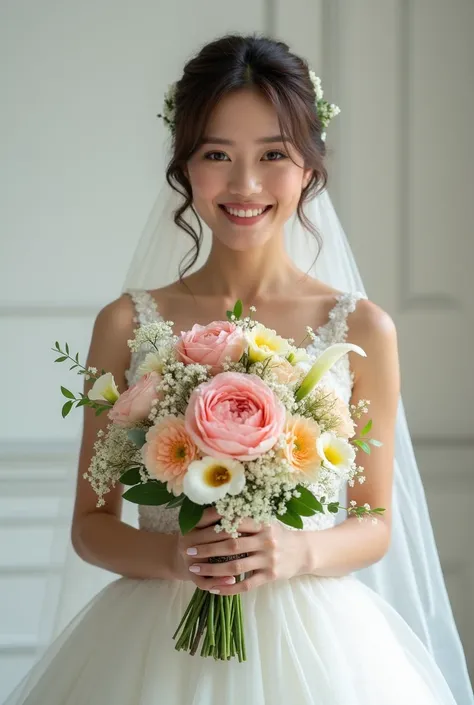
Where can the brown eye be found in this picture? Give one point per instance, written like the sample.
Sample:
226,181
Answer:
210,156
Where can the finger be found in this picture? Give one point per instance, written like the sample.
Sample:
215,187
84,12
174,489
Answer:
256,580
249,526
206,535
209,583
255,561
227,547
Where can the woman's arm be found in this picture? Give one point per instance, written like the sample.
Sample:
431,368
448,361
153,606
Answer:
352,545
98,534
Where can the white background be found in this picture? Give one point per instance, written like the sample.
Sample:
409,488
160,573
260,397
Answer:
82,160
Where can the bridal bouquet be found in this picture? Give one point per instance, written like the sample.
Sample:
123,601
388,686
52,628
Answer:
232,416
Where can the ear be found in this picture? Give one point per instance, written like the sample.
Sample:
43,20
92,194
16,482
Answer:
307,177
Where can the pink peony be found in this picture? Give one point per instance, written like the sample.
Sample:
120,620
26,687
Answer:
135,404
168,451
234,415
211,344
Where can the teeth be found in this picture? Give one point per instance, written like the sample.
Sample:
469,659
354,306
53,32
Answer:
244,213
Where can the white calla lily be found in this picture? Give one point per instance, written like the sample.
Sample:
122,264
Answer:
104,389
210,479
335,453
323,364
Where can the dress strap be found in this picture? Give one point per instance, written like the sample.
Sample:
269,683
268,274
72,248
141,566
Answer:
146,310
336,329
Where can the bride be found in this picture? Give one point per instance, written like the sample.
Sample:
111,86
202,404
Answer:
344,613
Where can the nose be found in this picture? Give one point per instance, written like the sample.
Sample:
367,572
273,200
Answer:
244,181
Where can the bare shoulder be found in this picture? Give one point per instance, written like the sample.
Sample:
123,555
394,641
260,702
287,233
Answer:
113,327
369,320
373,329
117,316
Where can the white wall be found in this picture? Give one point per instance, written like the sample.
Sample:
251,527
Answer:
81,85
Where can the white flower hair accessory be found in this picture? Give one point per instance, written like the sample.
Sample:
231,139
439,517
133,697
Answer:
326,111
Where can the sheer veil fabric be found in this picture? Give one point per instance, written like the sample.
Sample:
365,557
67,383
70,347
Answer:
409,577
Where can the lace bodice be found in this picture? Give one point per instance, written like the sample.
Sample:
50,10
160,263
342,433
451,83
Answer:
340,378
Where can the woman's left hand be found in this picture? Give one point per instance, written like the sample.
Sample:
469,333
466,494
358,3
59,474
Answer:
274,553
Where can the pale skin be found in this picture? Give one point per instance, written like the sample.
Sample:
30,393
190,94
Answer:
249,263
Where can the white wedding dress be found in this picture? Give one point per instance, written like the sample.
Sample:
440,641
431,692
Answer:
310,640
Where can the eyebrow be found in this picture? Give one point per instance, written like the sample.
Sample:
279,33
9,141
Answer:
261,140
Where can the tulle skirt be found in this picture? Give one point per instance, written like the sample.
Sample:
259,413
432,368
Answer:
310,641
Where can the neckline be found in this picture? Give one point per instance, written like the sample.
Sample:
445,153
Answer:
318,333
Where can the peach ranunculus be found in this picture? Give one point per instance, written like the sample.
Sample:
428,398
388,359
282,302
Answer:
168,452
135,404
338,410
234,415
285,372
211,344
301,435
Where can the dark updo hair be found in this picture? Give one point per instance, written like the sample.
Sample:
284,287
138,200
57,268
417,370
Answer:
234,62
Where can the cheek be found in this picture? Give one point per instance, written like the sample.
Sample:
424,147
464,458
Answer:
287,185
206,183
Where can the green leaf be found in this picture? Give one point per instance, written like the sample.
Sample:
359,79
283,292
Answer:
238,308
176,502
291,519
333,507
137,436
189,515
229,314
366,428
77,358
57,346
67,348
308,498
67,393
82,402
66,408
60,359
300,508
363,446
375,443
131,477
148,493
72,368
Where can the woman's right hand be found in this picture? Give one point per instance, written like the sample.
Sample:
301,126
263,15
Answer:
204,532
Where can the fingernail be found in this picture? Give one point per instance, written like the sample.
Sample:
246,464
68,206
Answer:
195,568
215,592
192,551
230,581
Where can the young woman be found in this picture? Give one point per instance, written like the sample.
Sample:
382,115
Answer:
248,153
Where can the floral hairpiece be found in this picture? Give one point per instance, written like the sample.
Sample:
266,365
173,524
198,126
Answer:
326,111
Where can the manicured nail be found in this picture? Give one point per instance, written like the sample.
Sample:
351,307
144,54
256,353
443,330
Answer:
192,551
215,592
195,568
230,581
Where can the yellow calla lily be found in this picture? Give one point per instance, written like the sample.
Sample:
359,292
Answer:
323,364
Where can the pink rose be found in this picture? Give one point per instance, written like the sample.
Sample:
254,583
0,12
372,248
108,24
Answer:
211,344
234,415
135,404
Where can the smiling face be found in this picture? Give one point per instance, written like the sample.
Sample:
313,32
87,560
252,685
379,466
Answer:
243,165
